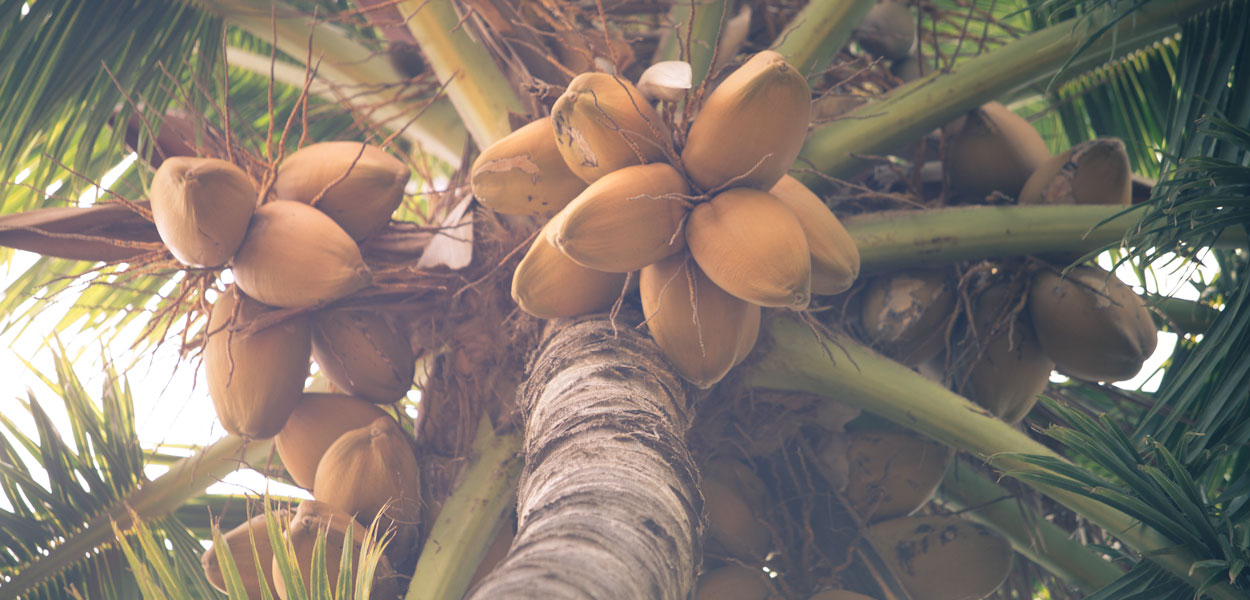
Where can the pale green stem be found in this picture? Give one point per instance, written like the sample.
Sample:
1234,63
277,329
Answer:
796,358
471,516
703,34
477,88
184,480
1188,316
907,112
819,31
981,500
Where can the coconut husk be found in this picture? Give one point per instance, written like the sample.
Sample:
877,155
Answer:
361,352
891,474
357,185
524,173
995,150
201,207
1012,369
905,314
317,421
942,558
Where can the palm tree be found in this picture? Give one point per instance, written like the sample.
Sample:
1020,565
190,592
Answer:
582,424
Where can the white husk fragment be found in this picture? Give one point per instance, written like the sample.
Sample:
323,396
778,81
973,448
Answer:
666,80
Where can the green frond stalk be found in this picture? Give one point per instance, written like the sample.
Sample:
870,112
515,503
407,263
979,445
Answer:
819,31
470,518
795,358
695,24
477,88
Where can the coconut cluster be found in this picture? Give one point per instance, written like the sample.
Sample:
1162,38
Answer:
715,230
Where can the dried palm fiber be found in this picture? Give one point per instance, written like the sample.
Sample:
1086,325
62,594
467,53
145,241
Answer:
625,220
317,421
362,353
835,259
295,256
524,173
251,536
359,185
751,127
372,472
549,285
603,123
888,30
201,207
905,313
584,50
701,329
733,582
1092,172
888,473
838,595
733,496
313,516
753,247
994,150
1012,369
255,370
1091,324
942,557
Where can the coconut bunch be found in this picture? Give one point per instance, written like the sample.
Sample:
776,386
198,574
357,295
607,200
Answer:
716,230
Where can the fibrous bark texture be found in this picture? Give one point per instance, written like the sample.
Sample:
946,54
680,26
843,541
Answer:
608,504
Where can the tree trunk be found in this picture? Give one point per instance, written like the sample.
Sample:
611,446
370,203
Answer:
608,503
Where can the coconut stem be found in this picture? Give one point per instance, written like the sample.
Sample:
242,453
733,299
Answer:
819,31
798,359
700,35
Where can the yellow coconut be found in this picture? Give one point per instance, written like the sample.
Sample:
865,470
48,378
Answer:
891,473
751,127
835,259
942,558
1091,324
316,422
312,517
358,185
201,207
295,256
255,370
888,30
905,314
625,220
549,285
524,173
1012,370
1093,172
734,582
994,150
251,536
703,330
363,353
753,247
603,123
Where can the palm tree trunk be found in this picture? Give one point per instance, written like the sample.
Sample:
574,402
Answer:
608,504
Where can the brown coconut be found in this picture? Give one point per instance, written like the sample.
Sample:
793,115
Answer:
1093,172
753,247
703,330
201,207
994,150
312,517
549,285
363,353
839,595
733,582
255,371
1091,324
250,536
372,471
942,557
295,256
891,473
888,30
1012,370
603,123
751,127
356,184
905,314
316,422
835,258
625,220
524,174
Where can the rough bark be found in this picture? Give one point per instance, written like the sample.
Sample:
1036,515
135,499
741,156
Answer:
608,503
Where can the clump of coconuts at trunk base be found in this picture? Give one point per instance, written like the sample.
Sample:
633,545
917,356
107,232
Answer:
702,227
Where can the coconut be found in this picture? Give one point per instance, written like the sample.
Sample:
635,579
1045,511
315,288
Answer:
603,123
295,256
904,314
751,127
310,518
942,558
891,473
753,247
839,595
835,258
255,371
625,220
362,353
703,330
524,174
734,582
359,185
994,150
1091,324
888,30
1012,370
251,536
549,285
201,207
1093,172
316,422
372,472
